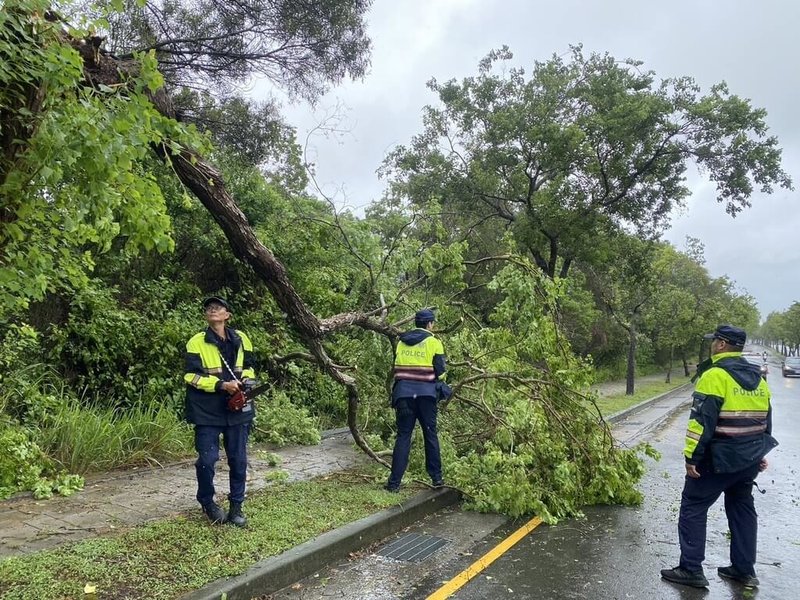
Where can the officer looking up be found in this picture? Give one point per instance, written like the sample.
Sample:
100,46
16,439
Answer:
729,434
217,360
419,365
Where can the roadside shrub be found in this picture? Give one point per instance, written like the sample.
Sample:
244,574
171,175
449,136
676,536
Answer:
25,467
29,388
90,439
280,422
119,354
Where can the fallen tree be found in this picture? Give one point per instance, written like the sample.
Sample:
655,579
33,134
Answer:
524,440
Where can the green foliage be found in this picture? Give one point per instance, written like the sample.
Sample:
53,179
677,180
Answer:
72,165
583,146
520,438
85,439
783,329
119,354
29,389
281,422
300,48
24,466
277,476
251,131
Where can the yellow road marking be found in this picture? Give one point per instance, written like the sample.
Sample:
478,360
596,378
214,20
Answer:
460,580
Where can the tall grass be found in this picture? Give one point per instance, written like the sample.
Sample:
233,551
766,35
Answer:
88,439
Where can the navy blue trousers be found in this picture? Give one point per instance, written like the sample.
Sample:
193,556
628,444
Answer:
206,442
698,496
408,411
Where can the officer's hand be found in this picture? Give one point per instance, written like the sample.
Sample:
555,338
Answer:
762,466
231,387
691,471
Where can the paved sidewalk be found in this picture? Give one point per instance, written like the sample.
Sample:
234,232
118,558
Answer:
133,496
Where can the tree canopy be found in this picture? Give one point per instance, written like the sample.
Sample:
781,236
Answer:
583,144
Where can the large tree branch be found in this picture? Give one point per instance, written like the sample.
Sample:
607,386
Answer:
206,182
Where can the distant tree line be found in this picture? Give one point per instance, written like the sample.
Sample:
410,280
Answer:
781,330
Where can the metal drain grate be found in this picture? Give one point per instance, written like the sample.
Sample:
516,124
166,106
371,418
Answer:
412,547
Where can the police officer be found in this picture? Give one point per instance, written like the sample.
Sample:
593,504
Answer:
217,361
419,365
729,434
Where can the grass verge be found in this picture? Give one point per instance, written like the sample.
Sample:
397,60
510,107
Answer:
613,404
167,558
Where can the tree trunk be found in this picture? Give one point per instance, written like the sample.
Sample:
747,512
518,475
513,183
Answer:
685,362
631,372
669,367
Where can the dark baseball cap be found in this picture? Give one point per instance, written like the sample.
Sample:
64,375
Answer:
424,316
216,300
728,333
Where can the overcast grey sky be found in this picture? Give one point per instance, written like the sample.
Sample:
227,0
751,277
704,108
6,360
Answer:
750,45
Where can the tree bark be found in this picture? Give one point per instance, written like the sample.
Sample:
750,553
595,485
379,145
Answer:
669,367
631,371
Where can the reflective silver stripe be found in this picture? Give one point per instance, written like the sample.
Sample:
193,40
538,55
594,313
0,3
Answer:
693,435
195,380
213,370
415,373
415,377
749,414
734,431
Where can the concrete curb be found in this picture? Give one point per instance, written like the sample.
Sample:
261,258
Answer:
277,572
624,414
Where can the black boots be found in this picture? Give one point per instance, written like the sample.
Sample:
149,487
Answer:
214,513
681,576
737,575
235,515
217,516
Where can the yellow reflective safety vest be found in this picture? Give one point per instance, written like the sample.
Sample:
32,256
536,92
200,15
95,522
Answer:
206,404
419,357
730,424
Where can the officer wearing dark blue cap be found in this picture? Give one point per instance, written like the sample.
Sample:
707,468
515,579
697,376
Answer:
218,360
728,437
735,336
418,380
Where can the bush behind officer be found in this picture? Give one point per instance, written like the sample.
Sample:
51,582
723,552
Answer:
418,369
217,361
728,436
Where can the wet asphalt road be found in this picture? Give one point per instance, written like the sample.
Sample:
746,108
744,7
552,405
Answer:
617,553
614,553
